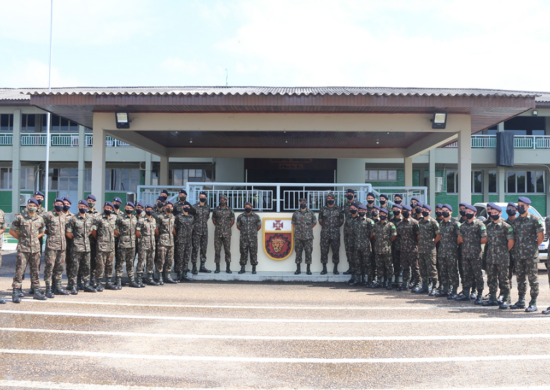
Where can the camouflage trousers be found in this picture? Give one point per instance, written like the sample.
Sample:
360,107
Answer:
301,246
54,263
448,268
183,252
428,270
21,263
528,269
81,263
409,265
165,258
104,264
126,257
93,256
512,268
472,271
497,276
146,257
247,247
396,258
69,257
384,266
200,243
362,262
226,242
327,243
461,271
348,244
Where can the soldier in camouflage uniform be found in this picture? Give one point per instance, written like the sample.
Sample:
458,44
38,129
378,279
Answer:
125,230
145,231
117,202
200,233
27,227
350,195
104,235
40,212
500,241
398,199
447,253
370,205
362,229
529,234
165,232
512,257
354,223
182,201
384,232
249,223
223,218
438,218
94,214
415,203
185,223
69,262
384,203
304,221
56,246
79,228
372,213
512,210
331,218
472,235
463,219
2,230
418,212
395,246
428,237
407,231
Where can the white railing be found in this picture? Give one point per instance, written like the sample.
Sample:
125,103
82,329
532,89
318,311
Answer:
33,139
6,139
406,192
59,139
520,142
484,141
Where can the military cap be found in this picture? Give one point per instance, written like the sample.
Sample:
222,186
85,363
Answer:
407,207
182,191
415,198
32,200
331,195
362,207
354,204
383,210
139,204
470,207
130,204
427,206
202,193
419,204
148,206
384,196
93,197
65,199
82,201
117,199
512,204
524,199
496,207
462,204
439,206
351,190
302,200
170,202
398,206
248,204
222,196
371,194
38,193
164,192
108,204
398,196
58,200
376,207
491,205
448,206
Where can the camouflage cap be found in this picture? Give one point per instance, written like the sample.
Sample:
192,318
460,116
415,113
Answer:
248,204
331,195
222,196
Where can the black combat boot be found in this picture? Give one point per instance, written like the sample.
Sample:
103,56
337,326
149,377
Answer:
308,269
119,283
57,289
324,271
254,269
38,295
139,279
151,280
99,286
228,268
217,271
389,285
88,288
378,283
491,301
79,284
72,289
532,305
49,293
242,271
203,268
479,297
433,291
353,281
186,278
452,293
505,302
335,271
487,297
420,288
195,271
520,304
364,280
132,281
109,285
93,282
168,278
403,286
179,274
348,272
298,270
443,293
20,292
15,298
547,311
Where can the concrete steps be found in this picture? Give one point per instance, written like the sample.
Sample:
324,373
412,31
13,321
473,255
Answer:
316,277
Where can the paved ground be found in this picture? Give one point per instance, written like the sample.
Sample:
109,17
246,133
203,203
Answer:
269,335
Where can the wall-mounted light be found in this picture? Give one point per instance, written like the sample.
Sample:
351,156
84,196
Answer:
122,120
535,113
439,120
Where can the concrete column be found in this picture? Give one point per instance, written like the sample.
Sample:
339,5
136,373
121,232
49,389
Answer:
229,170
16,163
501,173
408,171
98,164
486,185
350,170
431,178
81,165
547,125
164,168
465,166
148,168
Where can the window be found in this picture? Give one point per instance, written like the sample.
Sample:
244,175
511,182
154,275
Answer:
525,182
492,182
452,179
123,180
62,124
28,122
477,182
27,179
5,179
6,122
381,175
180,177
452,182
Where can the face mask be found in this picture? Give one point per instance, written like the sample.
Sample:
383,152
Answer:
383,217
163,198
107,212
248,210
462,212
350,197
168,209
510,212
362,214
425,213
353,212
117,206
370,201
223,203
382,202
413,205
438,213
138,211
445,214
149,212
58,208
202,200
330,201
129,211
183,197
495,217
521,209
31,210
91,204
418,210
396,212
406,214
82,211
186,209
66,208
397,201
303,206
39,201
469,216
375,213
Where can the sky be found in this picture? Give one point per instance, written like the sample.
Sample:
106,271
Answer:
400,43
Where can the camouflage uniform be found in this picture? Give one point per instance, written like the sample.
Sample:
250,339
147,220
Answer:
80,227
28,247
383,233
348,234
200,232
165,245
146,244
184,240
126,227
362,230
498,259
69,262
93,254
56,245
331,218
428,229
118,255
526,230
105,226
407,231
178,208
395,249
223,217
472,231
248,225
447,254
303,222
369,211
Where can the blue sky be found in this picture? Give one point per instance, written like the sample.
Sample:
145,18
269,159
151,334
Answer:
414,43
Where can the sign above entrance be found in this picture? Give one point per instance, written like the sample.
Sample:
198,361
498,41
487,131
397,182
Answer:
278,238
290,163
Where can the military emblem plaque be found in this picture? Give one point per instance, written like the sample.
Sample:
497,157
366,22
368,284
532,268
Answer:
278,237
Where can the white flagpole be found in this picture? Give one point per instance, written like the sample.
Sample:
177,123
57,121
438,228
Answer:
48,123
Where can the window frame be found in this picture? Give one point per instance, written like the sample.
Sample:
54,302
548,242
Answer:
378,180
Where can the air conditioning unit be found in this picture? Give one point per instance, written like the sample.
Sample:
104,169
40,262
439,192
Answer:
438,184
23,199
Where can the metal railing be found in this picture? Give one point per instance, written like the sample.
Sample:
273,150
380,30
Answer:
58,139
520,142
6,139
406,192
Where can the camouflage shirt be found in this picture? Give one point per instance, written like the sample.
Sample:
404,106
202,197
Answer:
303,222
178,208
526,230
201,219
407,230
28,229
93,213
126,227
331,218
166,224
184,227
223,217
2,225
448,246
347,217
383,233
472,232
80,227
146,227
369,211
498,234
428,229
105,229
396,245
248,225
55,227
362,231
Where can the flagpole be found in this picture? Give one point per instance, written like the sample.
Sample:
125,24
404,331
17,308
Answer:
48,123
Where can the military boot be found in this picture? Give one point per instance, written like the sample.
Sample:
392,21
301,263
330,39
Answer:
254,269
389,285
433,291
324,271
492,301
38,295
421,289
335,270
15,298
479,298
186,278
139,279
132,281
464,295
20,292
109,285
298,270
487,297
378,283
443,292
308,269
57,289
217,271
505,302
49,293
79,284
194,271
452,293
228,268
242,271
168,278
119,283
2,302
99,286
348,272
403,286
364,280
72,289
151,280
179,274
520,304
93,282
203,268
532,305
353,281
547,311
88,288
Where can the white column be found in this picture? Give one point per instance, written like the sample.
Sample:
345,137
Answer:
98,164
148,168
431,187
501,174
81,165
164,167
465,166
350,170
16,163
486,185
408,171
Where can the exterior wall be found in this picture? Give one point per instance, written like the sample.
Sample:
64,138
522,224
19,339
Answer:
350,170
230,170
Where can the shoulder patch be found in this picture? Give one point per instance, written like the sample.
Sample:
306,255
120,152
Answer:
393,226
483,227
540,222
510,229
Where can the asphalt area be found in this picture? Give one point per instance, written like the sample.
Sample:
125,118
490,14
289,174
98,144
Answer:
268,335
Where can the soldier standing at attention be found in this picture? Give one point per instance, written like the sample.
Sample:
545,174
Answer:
56,247
462,219
384,202
511,210
407,231
395,246
184,225
414,202
182,201
79,229
200,233
529,234
398,199
447,254
472,235
2,230
165,246
418,212
40,212
363,230
331,218
223,218
125,230
304,221
384,233
438,218
428,236
94,214
27,228
104,235
350,195
69,250
354,227
249,223
145,231
117,202
500,241
370,205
